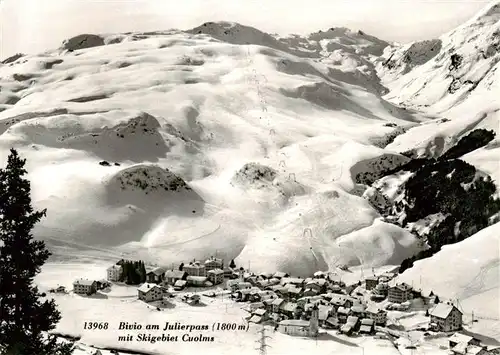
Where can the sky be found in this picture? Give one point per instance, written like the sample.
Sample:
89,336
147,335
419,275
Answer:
33,26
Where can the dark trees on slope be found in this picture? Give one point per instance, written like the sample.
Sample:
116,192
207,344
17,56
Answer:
25,316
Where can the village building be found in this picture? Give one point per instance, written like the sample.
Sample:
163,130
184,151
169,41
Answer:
378,315
458,338
244,295
371,282
469,349
336,289
156,275
310,292
399,293
180,285
172,276
294,293
350,325
214,263
290,309
331,323
265,275
243,285
445,317
292,280
320,275
341,301
258,316
324,312
319,285
232,285
195,268
367,326
60,289
216,276
255,305
149,292
282,292
296,327
382,288
198,281
230,273
358,311
276,304
84,287
253,280
191,299
279,275
342,314
114,273
102,284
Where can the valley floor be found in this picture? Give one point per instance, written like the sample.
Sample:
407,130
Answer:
120,304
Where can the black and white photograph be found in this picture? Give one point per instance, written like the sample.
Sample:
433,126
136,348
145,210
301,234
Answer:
239,177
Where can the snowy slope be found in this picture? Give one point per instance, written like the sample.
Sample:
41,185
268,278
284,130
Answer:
454,80
468,271
199,107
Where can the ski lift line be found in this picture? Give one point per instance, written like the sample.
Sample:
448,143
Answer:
164,245
236,212
107,251
323,219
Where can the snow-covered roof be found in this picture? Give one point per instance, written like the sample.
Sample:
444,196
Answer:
294,290
290,307
473,349
323,311
180,283
374,309
367,321
174,273
157,271
114,267
83,282
278,301
260,311
442,310
346,328
291,280
352,320
365,329
146,287
460,348
214,260
295,323
197,278
319,282
280,274
402,287
343,310
216,271
255,319
460,338
358,308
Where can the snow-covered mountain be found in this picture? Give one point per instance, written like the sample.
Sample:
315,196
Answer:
454,79
274,151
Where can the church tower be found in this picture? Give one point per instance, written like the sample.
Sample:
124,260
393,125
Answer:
314,321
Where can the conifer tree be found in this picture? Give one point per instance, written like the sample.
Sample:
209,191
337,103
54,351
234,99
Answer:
25,316
143,272
232,264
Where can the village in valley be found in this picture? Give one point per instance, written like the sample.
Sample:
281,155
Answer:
302,307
